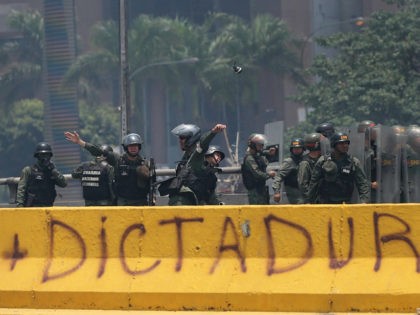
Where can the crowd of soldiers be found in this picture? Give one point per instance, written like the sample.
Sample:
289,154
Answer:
128,179
381,165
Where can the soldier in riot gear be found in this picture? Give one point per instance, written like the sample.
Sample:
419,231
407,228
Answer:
36,187
189,186
327,129
288,174
365,149
199,178
364,125
390,143
188,136
254,170
312,142
335,175
132,180
97,180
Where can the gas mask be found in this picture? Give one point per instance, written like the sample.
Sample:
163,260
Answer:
44,159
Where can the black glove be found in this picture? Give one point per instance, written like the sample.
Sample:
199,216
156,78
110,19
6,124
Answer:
54,172
50,166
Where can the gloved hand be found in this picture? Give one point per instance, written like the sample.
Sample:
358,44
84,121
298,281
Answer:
55,173
50,166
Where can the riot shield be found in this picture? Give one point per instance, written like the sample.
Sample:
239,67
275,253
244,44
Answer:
359,145
361,149
325,145
388,165
411,174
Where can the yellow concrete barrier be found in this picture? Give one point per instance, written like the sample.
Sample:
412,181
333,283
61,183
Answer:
326,258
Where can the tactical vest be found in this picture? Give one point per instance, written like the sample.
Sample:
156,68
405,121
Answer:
126,179
310,161
202,184
95,181
247,178
41,187
342,188
291,178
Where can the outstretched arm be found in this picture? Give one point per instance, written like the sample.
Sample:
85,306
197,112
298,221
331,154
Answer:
218,128
207,137
75,138
92,149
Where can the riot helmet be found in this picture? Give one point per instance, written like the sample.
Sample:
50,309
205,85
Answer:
106,148
257,139
364,125
188,131
312,141
414,138
339,137
130,139
43,148
326,129
399,130
213,149
296,143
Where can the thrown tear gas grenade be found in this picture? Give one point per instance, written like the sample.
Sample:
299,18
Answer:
237,69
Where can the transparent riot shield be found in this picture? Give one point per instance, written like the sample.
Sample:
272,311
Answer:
360,148
388,165
325,145
411,174
359,144
404,174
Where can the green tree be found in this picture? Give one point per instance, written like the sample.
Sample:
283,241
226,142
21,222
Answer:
21,58
198,93
98,70
264,48
22,128
99,125
375,74
21,82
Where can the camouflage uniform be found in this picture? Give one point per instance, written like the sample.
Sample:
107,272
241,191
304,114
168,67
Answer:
337,187
36,187
131,176
304,175
202,178
24,187
255,166
193,159
287,174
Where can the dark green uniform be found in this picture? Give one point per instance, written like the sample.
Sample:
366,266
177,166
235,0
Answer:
338,188
97,180
287,174
254,176
304,175
192,164
36,187
131,188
